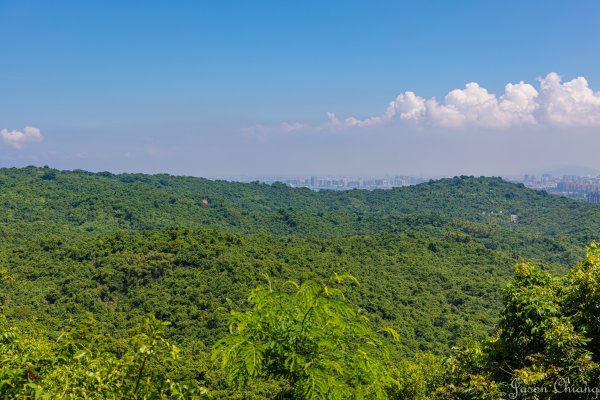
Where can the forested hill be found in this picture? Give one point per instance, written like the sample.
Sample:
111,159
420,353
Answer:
449,242
50,200
431,259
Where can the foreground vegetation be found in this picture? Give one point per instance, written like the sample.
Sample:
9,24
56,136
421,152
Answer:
307,342
136,286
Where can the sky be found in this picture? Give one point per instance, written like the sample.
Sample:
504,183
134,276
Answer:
289,88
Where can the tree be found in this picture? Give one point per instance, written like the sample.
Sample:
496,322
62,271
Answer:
547,344
312,339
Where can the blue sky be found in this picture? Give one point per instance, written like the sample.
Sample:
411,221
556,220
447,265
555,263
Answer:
226,88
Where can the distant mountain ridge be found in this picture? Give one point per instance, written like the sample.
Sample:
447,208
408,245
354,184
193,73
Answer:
103,202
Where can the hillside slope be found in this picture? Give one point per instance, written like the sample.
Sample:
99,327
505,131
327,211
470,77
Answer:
431,258
103,202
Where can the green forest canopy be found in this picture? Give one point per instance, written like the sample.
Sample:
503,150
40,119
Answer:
431,259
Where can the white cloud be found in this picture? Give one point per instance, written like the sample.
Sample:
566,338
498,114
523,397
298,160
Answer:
554,103
570,103
519,101
475,106
287,127
471,106
407,105
18,139
333,121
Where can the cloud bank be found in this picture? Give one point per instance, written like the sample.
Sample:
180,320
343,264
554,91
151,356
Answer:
553,103
19,139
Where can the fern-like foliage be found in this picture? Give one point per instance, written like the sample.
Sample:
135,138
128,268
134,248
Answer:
310,337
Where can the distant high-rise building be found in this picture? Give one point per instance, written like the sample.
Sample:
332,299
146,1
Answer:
593,197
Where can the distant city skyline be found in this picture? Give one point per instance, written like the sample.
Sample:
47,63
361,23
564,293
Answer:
301,88
585,188
558,173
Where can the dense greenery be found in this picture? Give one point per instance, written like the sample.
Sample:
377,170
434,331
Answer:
120,284
312,339
547,345
52,201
